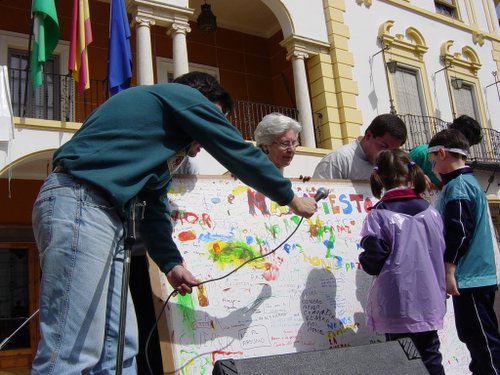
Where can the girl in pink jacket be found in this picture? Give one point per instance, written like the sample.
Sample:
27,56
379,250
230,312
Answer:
402,238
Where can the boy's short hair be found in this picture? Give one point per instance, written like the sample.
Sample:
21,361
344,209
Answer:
209,87
451,139
388,123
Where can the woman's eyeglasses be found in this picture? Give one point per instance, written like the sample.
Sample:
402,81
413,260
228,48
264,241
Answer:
287,145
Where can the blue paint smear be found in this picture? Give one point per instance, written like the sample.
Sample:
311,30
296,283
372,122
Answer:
209,237
287,248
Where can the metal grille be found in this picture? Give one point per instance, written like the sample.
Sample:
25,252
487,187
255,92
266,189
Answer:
57,99
420,129
247,115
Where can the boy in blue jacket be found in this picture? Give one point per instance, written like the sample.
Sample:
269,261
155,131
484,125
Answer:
469,255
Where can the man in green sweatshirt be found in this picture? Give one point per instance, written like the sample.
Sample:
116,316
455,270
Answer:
128,148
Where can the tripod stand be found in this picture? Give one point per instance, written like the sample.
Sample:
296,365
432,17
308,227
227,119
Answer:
130,237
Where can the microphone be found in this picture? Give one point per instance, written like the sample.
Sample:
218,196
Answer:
321,193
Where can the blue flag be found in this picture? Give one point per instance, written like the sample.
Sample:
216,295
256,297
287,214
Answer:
119,55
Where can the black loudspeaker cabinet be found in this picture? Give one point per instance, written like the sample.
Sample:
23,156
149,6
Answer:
394,357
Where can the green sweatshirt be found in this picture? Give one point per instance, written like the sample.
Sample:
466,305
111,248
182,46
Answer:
126,146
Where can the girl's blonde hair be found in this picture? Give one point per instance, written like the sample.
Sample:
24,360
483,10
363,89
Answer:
394,168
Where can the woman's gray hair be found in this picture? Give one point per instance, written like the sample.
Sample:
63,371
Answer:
273,125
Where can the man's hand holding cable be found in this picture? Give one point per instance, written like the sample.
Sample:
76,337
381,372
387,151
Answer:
181,279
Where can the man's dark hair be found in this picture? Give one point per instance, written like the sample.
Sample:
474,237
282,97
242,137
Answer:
450,138
468,127
388,123
209,87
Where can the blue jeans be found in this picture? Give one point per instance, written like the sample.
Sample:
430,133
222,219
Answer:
80,240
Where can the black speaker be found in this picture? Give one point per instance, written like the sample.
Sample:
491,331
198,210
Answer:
393,357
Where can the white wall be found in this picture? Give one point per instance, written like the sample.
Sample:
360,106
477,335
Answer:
371,78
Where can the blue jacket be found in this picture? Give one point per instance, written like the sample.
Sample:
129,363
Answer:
468,236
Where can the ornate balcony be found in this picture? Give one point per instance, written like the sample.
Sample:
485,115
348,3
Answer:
485,155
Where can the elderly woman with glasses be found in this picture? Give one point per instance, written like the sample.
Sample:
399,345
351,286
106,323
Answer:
277,136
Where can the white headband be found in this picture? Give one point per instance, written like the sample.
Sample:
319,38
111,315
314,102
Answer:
456,150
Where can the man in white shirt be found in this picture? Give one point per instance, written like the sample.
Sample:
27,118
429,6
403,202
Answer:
355,160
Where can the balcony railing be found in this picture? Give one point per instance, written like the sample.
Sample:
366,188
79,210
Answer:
421,129
58,100
486,154
247,115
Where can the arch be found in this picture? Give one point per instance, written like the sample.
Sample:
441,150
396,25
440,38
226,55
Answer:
467,60
414,43
416,36
283,16
385,28
470,54
30,165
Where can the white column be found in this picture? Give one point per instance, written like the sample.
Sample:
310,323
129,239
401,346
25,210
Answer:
144,56
180,55
303,99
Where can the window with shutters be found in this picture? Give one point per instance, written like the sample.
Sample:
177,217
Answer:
42,102
408,91
54,99
447,8
465,100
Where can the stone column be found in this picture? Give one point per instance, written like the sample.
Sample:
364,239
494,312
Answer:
302,98
178,31
144,55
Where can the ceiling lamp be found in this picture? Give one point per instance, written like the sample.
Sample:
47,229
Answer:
206,20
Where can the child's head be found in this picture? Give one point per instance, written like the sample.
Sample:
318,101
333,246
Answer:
448,151
394,168
468,127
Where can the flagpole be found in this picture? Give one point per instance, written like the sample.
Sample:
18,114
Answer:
28,65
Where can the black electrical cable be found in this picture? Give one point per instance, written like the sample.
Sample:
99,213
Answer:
212,280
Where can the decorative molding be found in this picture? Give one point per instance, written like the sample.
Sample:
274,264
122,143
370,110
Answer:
478,38
366,3
414,44
301,48
142,20
158,13
466,60
451,22
179,27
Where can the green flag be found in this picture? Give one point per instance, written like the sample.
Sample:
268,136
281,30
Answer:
45,36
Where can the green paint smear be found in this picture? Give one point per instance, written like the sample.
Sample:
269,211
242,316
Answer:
189,358
273,229
260,241
185,305
232,253
331,241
